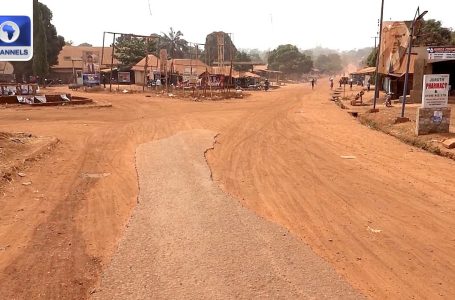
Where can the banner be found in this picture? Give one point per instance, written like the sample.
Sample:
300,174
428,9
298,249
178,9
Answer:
435,91
394,44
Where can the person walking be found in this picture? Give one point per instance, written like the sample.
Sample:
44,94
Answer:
331,83
312,83
350,83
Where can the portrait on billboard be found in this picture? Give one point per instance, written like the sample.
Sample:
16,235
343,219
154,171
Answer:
91,63
394,45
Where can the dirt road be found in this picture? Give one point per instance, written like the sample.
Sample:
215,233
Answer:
384,220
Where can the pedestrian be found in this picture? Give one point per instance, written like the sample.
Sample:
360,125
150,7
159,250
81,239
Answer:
331,83
368,86
103,78
341,82
312,83
350,83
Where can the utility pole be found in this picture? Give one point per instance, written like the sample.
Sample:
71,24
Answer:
376,83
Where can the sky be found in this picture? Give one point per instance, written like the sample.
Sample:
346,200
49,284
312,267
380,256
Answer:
260,24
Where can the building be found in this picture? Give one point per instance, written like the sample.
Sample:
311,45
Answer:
70,62
150,66
433,60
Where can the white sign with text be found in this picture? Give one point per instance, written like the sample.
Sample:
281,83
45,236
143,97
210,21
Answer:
435,91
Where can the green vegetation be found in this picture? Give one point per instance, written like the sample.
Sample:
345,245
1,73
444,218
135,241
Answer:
289,60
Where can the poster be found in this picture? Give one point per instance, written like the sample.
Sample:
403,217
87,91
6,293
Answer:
435,91
124,77
394,45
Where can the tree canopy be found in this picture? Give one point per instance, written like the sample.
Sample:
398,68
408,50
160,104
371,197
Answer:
174,43
432,33
242,56
330,63
372,57
45,54
129,50
289,60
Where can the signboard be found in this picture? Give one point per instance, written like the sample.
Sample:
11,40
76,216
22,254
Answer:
124,77
16,30
91,79
190,75
435,91
90,68
394,44
443,53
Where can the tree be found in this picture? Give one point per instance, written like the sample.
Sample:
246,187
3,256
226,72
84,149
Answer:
289,60
69,43
330,63
372,57
432,33
85,45
129,50
210,53
176,46
242,57
45,54
40,63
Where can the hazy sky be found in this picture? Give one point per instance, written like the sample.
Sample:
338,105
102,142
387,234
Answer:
344,24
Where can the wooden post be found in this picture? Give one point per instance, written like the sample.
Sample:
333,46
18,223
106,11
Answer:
112,64
146,64
102,50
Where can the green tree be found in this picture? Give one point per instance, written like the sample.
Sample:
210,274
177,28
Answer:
40,63
242,57
210,53
372,57
173,41
129,50
45,54
289,60
85,45
330,63
431,33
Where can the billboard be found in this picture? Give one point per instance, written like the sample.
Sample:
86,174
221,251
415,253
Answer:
435,91
91,62
90,68
394,44
91,79
124,77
